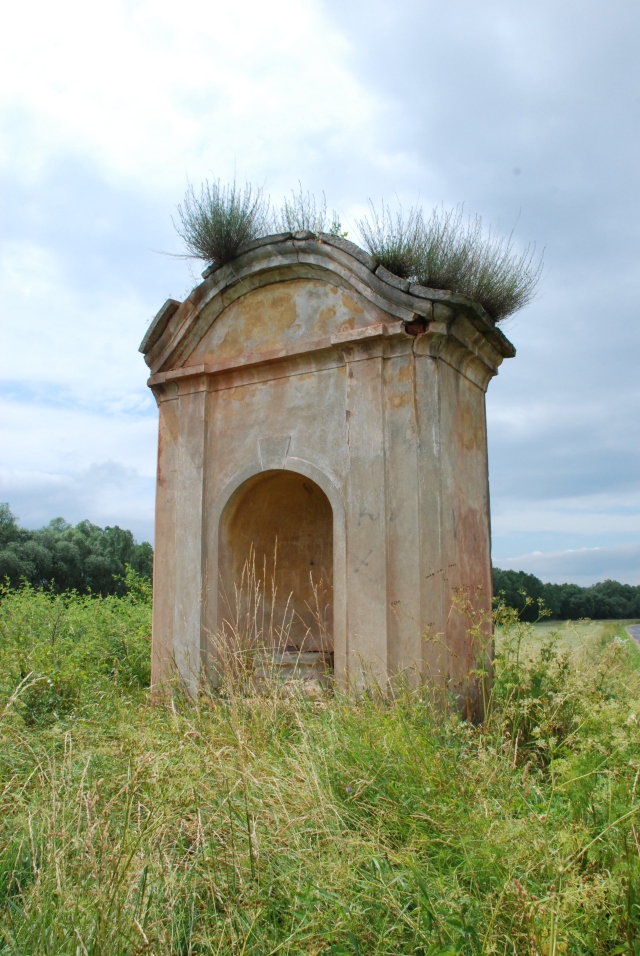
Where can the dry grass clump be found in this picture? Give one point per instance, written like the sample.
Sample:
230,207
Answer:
448,251
260,651
452,252
246,824
393,241
215,224
301,213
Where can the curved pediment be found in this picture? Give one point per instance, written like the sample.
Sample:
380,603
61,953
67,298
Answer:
299,313
296,293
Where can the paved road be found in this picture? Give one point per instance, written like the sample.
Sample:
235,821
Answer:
634,631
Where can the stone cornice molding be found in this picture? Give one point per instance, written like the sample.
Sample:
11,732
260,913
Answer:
445,325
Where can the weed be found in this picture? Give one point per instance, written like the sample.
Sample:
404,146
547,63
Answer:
446,252
392,241
48,700
454,253
300,213
215,224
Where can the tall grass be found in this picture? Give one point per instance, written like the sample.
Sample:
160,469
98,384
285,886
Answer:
261,638
301,213
449,251
215,224
240,823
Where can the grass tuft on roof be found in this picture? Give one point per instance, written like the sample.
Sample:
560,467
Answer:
449,251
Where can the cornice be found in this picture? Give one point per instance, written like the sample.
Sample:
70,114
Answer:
450,321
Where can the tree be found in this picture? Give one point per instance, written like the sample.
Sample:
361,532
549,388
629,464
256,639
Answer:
602,601
517,586
61,557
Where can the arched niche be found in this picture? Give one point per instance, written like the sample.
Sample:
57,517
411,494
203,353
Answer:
276,535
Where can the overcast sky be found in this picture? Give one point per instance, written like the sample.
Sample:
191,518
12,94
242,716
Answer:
526,112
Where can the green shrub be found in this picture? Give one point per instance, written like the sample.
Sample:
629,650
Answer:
63,649
216,223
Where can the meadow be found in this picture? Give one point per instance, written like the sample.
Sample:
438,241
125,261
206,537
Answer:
242,825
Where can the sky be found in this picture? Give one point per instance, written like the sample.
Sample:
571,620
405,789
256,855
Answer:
525,112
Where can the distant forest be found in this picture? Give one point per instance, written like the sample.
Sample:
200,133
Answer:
606,600
61,557
84,557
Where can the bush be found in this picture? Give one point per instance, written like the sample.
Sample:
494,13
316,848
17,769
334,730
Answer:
451,253
215,224
66,650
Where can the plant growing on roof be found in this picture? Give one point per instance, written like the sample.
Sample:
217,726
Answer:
457,254
300,213
448,251
392,241
453,253
215,224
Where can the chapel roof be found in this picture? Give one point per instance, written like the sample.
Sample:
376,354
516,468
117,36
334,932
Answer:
287,255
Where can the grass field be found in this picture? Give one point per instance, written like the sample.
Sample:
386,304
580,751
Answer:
579,637
289,825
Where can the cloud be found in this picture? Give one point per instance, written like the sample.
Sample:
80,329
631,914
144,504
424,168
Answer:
61,335
69,437
106,493
152,91
582,566
60,459
478,91
109,108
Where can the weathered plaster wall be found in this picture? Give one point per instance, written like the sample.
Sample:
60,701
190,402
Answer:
296,367
298,313
165,538
464,509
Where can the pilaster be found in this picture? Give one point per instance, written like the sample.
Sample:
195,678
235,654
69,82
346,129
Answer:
367,641
165,534
187,624
403,513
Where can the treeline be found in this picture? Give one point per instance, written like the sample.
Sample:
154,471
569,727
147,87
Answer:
61,557
605,600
